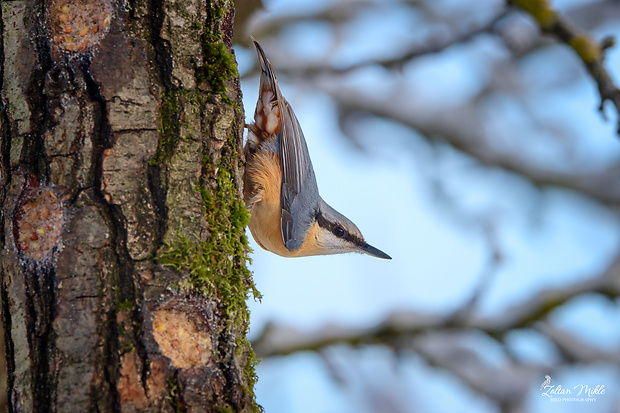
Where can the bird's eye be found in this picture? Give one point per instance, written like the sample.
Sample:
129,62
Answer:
339,232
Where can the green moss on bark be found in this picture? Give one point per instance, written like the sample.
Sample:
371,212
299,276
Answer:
214,261
217,265
168,127
219,65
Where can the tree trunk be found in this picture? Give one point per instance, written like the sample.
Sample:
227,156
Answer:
123,256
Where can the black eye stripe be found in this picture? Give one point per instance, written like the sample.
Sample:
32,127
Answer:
335,229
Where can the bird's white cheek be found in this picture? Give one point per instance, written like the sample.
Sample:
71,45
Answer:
333,244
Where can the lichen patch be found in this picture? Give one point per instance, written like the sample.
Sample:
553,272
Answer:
76,25
179,338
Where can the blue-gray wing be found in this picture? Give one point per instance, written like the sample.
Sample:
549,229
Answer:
299,192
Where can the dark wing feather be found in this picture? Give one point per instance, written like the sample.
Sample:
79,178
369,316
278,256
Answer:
295,157
299,193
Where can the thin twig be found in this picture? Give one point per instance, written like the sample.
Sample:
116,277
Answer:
589,51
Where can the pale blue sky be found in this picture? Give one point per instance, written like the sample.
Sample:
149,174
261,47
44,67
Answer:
549,238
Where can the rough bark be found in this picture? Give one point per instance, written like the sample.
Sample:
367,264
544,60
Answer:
123,256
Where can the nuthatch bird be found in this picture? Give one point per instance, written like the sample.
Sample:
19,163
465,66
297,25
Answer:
288,216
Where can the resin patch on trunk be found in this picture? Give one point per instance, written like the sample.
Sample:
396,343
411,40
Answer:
77,25
37,222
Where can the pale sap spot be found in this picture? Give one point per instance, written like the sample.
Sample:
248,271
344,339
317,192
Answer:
38,222
76,25
180,340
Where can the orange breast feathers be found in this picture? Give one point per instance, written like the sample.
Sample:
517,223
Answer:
263,182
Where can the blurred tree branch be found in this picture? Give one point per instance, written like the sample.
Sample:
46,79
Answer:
589,51
345,11
441,340
463,129
432,46
278,341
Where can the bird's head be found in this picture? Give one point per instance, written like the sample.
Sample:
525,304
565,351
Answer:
336,234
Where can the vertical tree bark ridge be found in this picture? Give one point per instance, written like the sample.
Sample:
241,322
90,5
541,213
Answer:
141,305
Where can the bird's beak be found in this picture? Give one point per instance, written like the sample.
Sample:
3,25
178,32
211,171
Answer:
372,251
